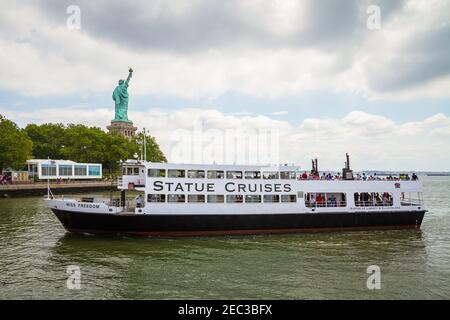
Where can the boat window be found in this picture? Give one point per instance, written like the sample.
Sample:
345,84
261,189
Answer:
176,198
325,200
215,198
65,170
132,171
271,198
288,175
80,170
250,198
156,173
196,174
288,198
173,173
156,198
235,198
373,199
271,175
234,174
48,169
196,198
252,175
215,174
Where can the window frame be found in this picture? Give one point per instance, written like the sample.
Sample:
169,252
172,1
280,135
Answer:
277,175
196,171
229,173
159,196
216,172
159,173
178,170
228,196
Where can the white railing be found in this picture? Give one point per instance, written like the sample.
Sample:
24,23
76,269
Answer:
373,203
326,204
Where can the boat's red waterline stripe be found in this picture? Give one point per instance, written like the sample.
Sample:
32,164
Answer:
240,232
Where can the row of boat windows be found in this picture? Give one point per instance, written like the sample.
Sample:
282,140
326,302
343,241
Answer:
219,198
324,200
362,199
220,174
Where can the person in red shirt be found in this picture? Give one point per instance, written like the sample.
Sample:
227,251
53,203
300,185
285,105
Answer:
319,200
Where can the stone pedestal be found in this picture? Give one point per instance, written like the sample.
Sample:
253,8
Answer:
122,127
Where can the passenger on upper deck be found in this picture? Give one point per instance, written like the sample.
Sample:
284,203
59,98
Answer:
415,177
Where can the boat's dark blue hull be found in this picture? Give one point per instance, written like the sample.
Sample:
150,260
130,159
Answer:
219,224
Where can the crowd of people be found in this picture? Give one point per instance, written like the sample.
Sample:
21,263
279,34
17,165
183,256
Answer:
362,177
325,200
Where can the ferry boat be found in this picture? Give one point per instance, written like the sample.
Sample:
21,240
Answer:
195,199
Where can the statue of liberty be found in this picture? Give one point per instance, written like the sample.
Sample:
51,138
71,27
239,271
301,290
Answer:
120,97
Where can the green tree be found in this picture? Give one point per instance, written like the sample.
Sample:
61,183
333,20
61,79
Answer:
119,148
80,143
154,153
47,139
15,145
84,144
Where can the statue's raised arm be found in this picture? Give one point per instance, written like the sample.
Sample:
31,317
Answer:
130,73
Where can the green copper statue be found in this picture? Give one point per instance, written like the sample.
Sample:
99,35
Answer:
120,97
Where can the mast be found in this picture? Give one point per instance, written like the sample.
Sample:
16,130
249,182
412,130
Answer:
145,146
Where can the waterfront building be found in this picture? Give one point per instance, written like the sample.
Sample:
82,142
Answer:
43,169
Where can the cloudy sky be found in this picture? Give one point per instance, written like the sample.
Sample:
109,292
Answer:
242,80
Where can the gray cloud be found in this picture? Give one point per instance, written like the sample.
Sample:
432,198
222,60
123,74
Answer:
423,59
334,31
144,25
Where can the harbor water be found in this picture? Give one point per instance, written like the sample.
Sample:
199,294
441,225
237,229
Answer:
35,253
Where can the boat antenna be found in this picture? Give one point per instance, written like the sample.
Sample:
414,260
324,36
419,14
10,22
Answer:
145,146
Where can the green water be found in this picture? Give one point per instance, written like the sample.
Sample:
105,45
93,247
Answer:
35,252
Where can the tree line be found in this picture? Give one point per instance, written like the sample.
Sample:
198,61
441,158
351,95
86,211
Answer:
74,142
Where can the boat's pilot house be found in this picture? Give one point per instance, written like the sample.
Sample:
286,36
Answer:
133,176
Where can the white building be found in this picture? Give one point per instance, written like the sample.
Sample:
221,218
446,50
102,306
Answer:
64,169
